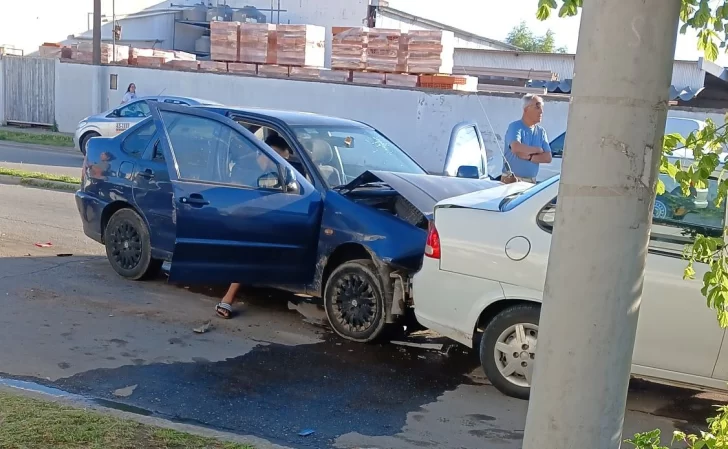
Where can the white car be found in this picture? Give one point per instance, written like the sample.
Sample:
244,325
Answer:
115,121
483,277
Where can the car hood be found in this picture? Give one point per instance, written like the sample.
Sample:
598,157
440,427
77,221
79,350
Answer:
422,191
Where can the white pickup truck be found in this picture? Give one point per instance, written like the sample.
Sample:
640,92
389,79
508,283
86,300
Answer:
482,280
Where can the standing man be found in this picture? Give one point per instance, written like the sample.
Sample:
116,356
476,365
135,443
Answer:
526,143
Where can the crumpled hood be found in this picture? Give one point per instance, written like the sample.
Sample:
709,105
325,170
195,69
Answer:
423,191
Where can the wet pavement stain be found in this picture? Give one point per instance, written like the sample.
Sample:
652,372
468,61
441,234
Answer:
276,391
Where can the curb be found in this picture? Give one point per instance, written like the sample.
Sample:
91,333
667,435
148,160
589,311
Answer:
38,183
256,442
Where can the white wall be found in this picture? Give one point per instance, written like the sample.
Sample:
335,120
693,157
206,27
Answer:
394,22
419,121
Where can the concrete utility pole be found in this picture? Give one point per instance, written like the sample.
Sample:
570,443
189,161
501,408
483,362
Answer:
97,33
594,283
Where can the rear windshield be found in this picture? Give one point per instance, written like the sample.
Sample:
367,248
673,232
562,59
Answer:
512,201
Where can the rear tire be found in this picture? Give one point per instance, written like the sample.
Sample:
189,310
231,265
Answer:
128,246
84,140
507,349
354,301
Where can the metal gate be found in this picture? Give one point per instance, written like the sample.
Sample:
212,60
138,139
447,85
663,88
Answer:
30,90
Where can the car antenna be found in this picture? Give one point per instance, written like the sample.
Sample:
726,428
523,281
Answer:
162,92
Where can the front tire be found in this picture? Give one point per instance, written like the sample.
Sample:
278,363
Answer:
354,301
508,349
128,246
84,141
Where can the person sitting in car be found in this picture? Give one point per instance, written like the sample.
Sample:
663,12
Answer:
262,165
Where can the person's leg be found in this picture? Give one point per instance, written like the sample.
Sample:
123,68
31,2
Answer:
224,308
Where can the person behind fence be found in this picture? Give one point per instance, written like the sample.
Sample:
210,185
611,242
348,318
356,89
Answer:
526,143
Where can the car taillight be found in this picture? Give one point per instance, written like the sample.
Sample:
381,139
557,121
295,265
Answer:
432,247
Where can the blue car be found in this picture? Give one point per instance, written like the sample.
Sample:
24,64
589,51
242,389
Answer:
344,219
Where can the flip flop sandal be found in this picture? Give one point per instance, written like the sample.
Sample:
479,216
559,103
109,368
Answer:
224,310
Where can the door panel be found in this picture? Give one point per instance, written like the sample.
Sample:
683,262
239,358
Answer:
466,148
227,228
676,331
244,235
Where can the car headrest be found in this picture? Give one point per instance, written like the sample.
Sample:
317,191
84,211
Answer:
321,151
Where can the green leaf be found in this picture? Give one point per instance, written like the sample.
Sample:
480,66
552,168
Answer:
660,187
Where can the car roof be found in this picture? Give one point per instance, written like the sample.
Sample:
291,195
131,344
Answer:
199,101
293,118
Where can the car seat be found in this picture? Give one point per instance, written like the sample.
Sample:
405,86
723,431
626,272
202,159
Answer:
323,155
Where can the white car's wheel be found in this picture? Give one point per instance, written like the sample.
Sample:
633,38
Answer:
508,349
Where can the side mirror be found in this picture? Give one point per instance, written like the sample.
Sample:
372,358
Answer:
468,171
269,181
290,181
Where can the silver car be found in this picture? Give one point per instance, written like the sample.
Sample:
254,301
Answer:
121,118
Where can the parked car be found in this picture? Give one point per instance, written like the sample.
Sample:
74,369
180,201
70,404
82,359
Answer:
673,125
344,219
482,280
119,119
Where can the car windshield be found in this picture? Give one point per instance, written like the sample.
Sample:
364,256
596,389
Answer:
342,153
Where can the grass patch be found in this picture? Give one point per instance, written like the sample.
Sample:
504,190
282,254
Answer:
36,175
49,185
29,423
55,140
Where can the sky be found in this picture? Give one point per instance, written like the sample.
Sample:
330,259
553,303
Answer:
495,18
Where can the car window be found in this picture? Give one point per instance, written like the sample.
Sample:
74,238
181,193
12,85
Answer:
136,142
263,132
676,218
136,109
209,151
169,100
557,145
466,150
342,153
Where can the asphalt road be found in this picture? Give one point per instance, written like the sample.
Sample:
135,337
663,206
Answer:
71,323
64,161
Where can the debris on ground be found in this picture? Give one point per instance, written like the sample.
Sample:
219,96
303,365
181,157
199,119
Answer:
431,346
306,432
125,392
204,328
312,313
64,255
44,245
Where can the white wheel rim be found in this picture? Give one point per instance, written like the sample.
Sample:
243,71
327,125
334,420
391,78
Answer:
660,210
515,353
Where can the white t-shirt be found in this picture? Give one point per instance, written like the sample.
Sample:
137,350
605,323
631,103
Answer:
129,96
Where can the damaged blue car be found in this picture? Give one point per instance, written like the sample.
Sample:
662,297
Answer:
343,219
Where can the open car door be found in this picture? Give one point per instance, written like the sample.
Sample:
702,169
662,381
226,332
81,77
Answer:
242,213
466,156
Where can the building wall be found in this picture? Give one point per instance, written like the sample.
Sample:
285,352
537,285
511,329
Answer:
685,73
2,93
386,21
419,121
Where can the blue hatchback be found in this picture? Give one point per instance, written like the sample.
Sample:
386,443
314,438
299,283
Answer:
344,218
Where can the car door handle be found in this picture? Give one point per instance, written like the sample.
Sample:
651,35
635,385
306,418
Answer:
148,173
194,200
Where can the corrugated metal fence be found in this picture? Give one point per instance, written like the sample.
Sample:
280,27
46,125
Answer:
30,90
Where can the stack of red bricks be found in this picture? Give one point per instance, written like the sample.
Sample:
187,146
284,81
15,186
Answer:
266,49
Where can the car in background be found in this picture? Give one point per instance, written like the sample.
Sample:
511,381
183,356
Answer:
344,219
673,125
483,274
121,118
